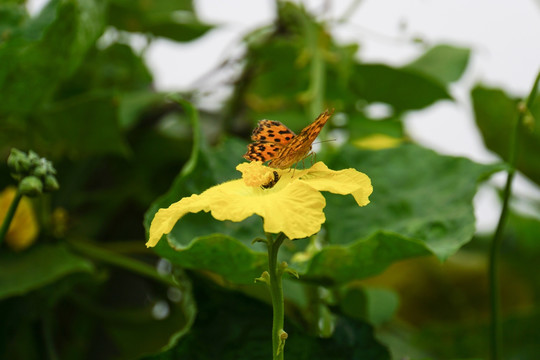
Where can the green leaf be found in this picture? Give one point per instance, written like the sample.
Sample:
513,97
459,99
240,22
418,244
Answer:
116,68
39,266
240,329
45,51
403,89
175,20
221,254
359,126
496,114
417,193
421,204
444,63
81,126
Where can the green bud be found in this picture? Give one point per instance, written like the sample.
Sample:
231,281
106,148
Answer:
33,158
40,171
51,184
31,186
18,162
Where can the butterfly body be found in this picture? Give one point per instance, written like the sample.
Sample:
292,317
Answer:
277,144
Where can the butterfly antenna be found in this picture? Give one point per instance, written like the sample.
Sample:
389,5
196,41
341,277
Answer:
323,141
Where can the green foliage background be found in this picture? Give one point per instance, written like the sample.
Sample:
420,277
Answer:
371,285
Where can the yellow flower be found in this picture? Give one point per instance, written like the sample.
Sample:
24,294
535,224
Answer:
24,228
288,200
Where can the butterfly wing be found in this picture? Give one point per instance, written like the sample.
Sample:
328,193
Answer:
270,137
262,151
300,146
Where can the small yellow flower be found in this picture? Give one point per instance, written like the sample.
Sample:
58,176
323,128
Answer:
293,204
24,228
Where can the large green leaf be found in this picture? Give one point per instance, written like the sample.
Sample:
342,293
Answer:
496,114
418,194
46,50
240,328
172,19
442,62
403,89
39,266
421,203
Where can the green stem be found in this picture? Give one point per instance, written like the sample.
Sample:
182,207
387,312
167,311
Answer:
47,328
121,261
317,72
276,293
9,215
496,327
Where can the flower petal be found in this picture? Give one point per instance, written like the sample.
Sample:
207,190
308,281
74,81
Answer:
294,209
347,181
165,219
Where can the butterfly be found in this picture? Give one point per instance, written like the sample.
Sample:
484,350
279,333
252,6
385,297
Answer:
276,143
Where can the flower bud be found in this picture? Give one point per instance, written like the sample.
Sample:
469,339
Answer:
32,156
40,171
31,186
18,162
50,183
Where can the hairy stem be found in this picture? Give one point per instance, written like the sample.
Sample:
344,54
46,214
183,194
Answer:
9,215
276,293
496,327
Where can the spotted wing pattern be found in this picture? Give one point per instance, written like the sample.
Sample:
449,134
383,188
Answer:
276,143
269,138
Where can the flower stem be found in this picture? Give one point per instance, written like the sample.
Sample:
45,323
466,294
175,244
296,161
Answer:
276,293
9,215
496,327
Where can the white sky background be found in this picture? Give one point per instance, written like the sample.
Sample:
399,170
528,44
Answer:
504,36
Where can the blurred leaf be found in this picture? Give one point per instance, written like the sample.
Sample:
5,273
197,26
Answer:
37,267
523,231
496,114
114,69
12,15
443,62
152,335
470,341
81,126
240,329
46,50
403,89
360,126
374,305
175,20
135,104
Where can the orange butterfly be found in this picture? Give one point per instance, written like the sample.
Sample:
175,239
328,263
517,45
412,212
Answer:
276,143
